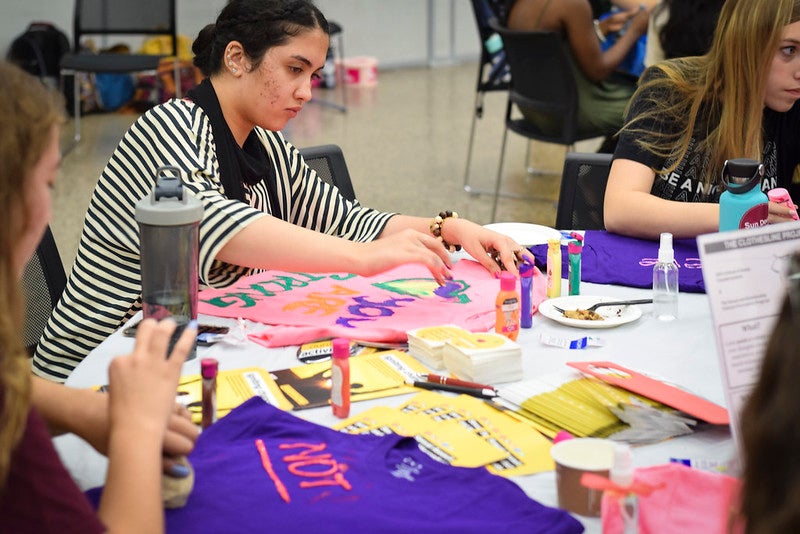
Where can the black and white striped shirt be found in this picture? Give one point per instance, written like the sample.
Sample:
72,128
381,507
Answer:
104,287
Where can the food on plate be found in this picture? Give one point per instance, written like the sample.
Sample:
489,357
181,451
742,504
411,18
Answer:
583,315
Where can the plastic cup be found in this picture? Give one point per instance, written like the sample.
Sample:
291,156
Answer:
573,458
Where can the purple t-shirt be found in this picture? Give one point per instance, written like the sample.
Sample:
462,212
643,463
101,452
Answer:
345,483
626,261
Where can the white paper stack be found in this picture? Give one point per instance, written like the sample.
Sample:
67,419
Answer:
486,358
427,343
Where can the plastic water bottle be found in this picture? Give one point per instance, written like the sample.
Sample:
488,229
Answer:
742,204
169,221
665,281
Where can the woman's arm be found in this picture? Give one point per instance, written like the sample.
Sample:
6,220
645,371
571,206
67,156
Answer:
84,412
142,392
270,243
630,209
593,62
476,240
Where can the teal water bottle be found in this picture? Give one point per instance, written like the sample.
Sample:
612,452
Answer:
742,204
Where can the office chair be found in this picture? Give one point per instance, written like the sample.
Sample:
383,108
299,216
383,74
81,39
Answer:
541,80
117,17
42,283
328,161
583,189
493,70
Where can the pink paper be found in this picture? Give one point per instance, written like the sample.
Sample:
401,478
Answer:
304,307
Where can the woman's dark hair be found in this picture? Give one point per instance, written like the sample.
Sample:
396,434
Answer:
690,27
259,25
770,500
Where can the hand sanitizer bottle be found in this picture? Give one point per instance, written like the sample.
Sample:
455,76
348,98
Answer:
665,281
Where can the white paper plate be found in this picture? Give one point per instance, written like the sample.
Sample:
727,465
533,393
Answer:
524,233
613,315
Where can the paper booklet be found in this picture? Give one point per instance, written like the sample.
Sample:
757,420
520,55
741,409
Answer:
380,374
234,386
460,430
586,406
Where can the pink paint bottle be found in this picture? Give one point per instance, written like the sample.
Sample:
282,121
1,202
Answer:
780,195
340,378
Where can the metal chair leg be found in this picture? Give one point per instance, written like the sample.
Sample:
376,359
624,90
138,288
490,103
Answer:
499,175
478,106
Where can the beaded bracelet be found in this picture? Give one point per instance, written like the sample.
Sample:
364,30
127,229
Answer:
436,229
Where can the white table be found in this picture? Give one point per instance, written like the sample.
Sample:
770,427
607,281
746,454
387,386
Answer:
682,352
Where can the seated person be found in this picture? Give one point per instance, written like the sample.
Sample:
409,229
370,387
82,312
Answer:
770,434
690,115
681,28
132,423
603,93
263,207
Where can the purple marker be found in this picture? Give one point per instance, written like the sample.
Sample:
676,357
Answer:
526,282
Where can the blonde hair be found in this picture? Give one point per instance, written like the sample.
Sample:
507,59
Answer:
28,113
718,96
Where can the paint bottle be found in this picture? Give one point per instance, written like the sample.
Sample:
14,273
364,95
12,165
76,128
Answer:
507,307
553,268
340,378
575,248
526,293
665,281
780,195
208,370
742,204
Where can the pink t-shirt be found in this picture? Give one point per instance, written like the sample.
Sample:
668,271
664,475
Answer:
303,307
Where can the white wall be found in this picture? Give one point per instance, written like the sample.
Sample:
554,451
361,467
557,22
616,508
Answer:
396,32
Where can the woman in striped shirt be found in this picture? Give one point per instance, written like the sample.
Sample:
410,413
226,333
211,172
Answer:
263,207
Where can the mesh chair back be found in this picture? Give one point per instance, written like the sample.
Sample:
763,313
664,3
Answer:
112,17
583,189
43,281
328,161
542,80
493,67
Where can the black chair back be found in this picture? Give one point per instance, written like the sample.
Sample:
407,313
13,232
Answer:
329,163
541,80
123,17
583,189
43,282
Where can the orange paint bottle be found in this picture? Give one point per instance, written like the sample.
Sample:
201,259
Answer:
507,307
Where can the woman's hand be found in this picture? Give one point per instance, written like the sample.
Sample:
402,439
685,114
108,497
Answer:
482,244
406,246
779,213
142,385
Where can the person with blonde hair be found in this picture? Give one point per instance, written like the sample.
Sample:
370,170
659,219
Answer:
263,206
131,423
689,115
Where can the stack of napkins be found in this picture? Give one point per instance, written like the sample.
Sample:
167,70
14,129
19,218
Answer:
486,357
427,343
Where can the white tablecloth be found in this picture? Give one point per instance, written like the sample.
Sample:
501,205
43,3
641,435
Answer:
682,352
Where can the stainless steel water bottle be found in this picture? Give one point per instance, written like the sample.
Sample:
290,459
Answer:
169,221
742,204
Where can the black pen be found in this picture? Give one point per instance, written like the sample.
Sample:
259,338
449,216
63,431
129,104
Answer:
482,393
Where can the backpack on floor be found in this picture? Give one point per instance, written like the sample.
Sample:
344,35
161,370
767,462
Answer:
38,50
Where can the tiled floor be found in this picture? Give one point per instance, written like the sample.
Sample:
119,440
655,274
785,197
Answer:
405,141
